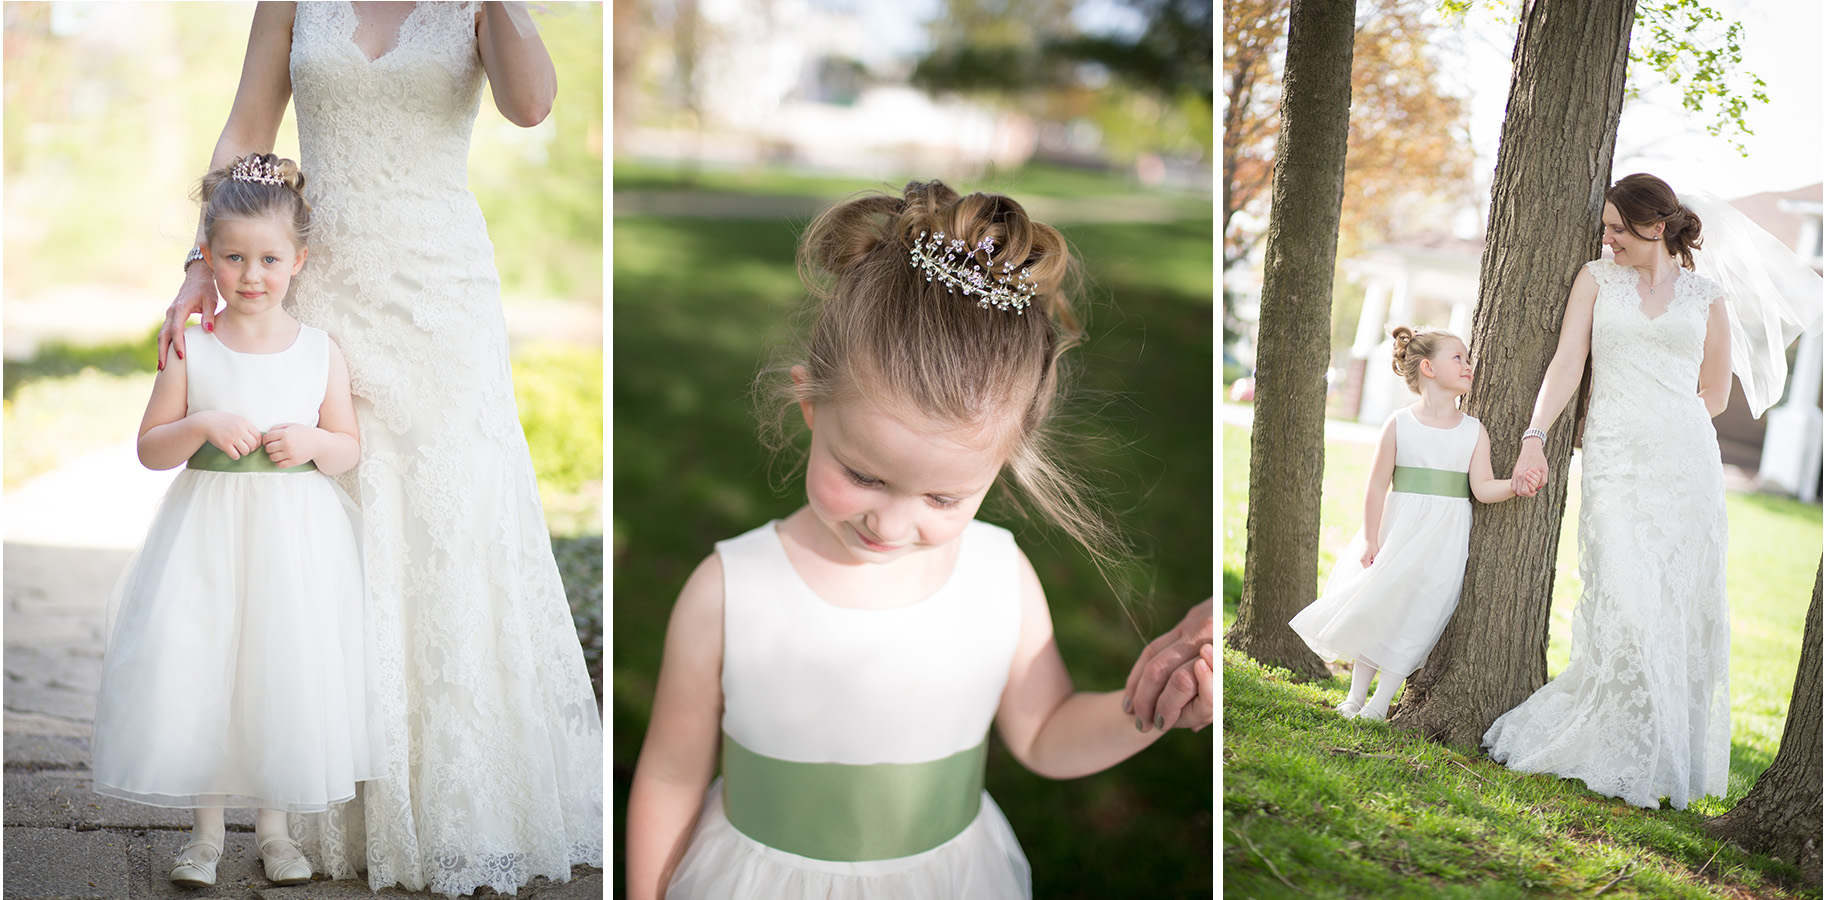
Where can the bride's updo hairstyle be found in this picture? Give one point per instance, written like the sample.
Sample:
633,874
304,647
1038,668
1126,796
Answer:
254,187
1412,346
883,327
1644,201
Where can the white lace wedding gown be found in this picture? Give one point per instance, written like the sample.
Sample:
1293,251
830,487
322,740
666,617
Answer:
493,736
1643,709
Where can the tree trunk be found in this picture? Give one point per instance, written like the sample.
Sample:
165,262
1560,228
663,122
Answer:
1781,816
1287,455
1552,167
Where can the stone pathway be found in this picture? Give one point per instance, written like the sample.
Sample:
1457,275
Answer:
61,839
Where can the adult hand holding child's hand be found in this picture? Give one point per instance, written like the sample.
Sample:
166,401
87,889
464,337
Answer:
1173,682
1530,468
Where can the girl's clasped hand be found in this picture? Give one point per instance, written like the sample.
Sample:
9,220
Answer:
845,664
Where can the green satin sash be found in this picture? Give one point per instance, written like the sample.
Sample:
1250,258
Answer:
210,458
1441,482
851,813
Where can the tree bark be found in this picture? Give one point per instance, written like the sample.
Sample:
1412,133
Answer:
1552,167
1286,458
1782,815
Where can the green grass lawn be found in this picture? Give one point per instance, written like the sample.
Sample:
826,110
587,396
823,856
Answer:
1773,555
700,303
1315,805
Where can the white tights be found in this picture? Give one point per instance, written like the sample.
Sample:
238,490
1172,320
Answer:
210,826
1360,676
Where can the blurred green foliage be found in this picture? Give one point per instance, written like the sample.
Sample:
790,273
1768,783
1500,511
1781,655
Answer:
559,391
701,303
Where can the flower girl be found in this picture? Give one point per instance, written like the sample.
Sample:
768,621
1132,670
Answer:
236,667
1394,588
845,663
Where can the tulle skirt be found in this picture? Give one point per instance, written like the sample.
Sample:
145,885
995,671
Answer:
983,861
1390,614
236,667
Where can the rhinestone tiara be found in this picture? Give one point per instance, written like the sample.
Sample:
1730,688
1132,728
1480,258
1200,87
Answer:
955,265
255,168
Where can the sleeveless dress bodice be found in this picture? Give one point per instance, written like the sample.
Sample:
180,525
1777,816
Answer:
266,389
854,739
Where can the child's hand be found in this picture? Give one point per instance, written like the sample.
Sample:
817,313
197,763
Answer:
230,433
292,444
1370,547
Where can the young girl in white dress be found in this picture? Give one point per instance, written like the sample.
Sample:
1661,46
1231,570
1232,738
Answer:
1396,584
846,662
236,670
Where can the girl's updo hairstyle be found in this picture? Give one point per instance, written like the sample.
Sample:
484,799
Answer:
1412,346
1644,201
878,329
225,197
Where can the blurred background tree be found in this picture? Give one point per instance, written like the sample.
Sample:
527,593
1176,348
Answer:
1409,153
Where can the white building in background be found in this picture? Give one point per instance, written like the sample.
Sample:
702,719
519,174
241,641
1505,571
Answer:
800,83
1435,283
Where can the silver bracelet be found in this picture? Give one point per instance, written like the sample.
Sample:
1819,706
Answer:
1534,432
195,254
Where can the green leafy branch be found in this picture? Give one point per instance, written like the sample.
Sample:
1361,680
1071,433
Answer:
1691,45
1698,51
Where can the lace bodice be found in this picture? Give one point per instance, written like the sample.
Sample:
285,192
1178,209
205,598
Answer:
385,146
1640,362
398,124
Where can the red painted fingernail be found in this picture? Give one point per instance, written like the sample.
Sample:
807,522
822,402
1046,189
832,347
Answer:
209,327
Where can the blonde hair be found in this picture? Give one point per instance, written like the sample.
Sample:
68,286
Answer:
1412,346
226,197
879,329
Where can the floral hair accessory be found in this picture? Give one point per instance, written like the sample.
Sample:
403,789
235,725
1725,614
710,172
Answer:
956,265
255,168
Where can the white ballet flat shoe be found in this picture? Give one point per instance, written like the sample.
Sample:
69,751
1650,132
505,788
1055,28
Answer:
296,870
194,867
1349,709
1371,714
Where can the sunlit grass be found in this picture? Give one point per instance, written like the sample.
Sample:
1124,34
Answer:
1315,805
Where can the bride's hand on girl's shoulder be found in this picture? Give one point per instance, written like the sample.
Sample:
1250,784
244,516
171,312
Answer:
196,295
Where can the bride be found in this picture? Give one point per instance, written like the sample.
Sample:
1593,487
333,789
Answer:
1642,711
493,732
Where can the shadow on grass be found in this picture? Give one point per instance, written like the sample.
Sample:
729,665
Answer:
1346,808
